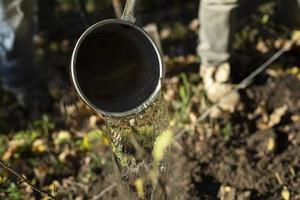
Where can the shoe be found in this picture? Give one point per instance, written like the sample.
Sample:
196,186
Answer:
216,80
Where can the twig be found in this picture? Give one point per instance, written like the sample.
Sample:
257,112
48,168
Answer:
22,179
103,192
278,178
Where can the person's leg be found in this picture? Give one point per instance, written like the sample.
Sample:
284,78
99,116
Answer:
16,44
217,21
17,71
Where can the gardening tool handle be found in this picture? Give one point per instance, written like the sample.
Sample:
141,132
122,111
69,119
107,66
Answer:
129,11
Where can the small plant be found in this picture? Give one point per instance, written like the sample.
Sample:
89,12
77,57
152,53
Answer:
227,131
13,192
44,125
182,105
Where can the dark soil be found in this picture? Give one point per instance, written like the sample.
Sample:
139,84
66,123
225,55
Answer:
245,165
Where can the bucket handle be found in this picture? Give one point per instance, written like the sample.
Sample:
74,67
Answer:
129,11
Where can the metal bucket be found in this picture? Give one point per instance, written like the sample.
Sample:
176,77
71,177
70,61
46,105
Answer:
116,68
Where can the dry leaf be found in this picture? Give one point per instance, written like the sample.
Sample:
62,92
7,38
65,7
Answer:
165,32
222,74
93,119
279,43
227,193
12,147
276,116
65,154
262,47
62,136
285,194
194,24
296,36
295,118
271,144
39,146
262,126
193,117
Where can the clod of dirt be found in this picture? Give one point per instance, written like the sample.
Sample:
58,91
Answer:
262,142
279,91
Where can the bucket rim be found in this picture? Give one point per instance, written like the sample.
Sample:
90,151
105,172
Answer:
76,84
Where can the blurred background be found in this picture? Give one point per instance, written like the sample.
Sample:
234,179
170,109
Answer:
252,153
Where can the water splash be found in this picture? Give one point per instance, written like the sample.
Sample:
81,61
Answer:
143,128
